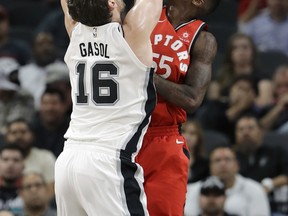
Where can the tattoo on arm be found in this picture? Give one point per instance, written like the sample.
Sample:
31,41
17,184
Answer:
190,95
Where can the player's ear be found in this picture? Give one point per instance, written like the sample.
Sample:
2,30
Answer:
198,2
112,4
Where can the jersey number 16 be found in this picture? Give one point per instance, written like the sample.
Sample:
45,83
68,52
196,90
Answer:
104,87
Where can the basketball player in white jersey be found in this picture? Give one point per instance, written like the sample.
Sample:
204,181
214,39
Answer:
113,96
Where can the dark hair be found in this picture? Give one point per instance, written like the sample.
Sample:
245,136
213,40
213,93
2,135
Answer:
249,116
212,186
55,91
12,147
19,120
226,73
90,12
222,147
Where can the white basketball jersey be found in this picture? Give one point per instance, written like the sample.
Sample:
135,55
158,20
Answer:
112,91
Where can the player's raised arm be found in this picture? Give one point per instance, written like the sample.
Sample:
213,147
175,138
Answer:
69,22
138,26
143,16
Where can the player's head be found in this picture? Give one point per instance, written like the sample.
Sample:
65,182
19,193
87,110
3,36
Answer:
205,7
95,12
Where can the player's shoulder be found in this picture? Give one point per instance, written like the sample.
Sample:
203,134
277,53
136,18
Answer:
207,37
205,44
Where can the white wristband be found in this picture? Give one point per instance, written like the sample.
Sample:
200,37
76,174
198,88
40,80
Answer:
268,183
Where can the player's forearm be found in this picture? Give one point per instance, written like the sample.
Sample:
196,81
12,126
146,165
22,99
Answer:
198,76
189,95
180,95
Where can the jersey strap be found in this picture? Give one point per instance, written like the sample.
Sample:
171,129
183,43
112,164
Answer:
188,32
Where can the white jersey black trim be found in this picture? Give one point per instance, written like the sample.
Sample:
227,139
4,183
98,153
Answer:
132,189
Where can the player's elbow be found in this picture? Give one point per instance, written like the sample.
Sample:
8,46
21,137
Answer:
194,99
192,105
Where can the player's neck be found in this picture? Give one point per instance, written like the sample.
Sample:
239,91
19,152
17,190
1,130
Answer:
116,16
178,14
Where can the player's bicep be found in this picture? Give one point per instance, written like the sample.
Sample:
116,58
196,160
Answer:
205,49
203,55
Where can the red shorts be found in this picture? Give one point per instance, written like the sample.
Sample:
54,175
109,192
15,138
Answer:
164,158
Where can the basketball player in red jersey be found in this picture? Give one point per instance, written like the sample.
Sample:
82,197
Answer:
183,56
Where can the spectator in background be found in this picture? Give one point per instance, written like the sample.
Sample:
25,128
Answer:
276,117
53,4
240,59
247,9
58,78
53,24
199,165
244,197
36,160
33,75
265,164
212,198
1,139
221,115
269,29
51,123
11,170
13,102
11,48
34,192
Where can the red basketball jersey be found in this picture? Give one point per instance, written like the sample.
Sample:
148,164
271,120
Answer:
171,56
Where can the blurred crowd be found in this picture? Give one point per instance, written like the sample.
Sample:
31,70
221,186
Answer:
238,138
